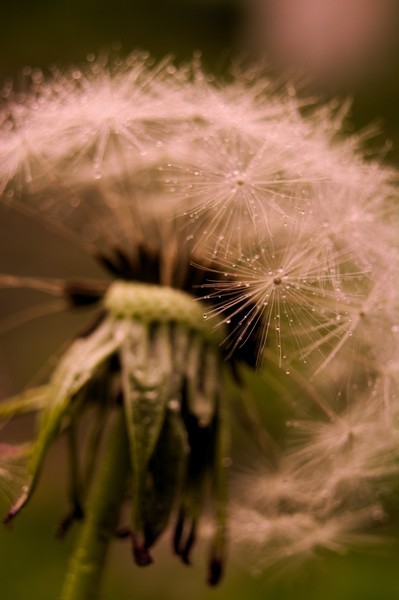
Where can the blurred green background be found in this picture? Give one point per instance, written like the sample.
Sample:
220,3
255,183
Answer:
42,32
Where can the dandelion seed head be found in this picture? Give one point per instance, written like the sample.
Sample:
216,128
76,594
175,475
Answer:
246,198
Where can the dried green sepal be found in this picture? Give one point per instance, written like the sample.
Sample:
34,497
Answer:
75,370
146,368
29,401
220,497
13,466
202,381
165,475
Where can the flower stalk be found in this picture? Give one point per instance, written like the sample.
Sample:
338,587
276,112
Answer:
86,566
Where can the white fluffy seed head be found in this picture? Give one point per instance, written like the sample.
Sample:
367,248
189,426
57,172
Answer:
298,233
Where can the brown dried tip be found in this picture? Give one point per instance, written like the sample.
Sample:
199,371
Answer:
75,514
185,551
19,504
178,534
123,532
183,547
215,571
141,555
9,516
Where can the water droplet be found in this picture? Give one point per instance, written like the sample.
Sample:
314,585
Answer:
75,202
174,405
379,515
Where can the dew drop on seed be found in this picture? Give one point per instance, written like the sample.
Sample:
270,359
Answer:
173,405
378,514
75,202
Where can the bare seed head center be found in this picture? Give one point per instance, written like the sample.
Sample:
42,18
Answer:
160,304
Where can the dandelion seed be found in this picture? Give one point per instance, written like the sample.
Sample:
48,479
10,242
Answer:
236,186
285,293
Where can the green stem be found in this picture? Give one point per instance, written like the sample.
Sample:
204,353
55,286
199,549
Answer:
87,562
